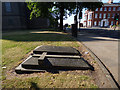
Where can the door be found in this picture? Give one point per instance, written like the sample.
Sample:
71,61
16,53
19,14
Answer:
103,23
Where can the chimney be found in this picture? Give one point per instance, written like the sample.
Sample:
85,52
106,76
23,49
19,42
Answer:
110,1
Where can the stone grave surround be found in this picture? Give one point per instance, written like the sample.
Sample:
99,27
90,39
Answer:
46,58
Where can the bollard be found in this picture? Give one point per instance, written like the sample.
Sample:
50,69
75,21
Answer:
74,30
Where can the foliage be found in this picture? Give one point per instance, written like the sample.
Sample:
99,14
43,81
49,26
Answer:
66,25
40,9
116,25
46,9
67,6
59,10
92,5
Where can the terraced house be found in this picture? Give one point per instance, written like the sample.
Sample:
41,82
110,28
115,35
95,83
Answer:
104,16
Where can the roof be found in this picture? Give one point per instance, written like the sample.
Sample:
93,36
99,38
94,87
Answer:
112,4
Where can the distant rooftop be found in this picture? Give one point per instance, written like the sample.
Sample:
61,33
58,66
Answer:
112,4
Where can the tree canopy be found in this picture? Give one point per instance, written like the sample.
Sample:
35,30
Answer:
59,10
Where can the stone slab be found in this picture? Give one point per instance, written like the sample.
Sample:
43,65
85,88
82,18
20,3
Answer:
58,63
42,56
20,69
56,50
45,58
57,56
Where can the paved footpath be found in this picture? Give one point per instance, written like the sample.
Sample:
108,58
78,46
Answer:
105,48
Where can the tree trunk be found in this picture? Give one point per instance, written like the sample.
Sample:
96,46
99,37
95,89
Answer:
61,18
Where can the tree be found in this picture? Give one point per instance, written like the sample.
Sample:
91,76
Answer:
92,5
40,9
51,9
89,5
59,10
64,8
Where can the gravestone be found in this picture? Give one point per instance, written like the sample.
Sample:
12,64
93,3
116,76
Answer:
57,50
44,58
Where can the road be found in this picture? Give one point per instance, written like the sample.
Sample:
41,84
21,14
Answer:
104,46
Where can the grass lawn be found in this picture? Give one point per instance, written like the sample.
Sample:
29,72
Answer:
16,45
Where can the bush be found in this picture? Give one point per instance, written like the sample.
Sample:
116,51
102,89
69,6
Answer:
117,25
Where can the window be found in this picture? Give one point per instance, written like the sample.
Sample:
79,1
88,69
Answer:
8,6
10,22
100,9
89,16
111,22
113,15
105,9
85,17
95,23
108,15
118,9
104,16
99,23
89,23
85,24
114,8
100,16
96,15
96,9
109,8
108,23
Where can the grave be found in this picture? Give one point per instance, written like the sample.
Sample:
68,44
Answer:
46,58
56,50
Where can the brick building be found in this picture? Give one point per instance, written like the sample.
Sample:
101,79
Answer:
102,17
15,15
88,18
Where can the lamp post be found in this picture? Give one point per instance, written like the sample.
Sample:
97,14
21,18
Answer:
74,26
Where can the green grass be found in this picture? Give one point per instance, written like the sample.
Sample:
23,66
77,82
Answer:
15,46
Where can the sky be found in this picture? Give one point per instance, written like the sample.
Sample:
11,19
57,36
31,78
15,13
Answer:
70,20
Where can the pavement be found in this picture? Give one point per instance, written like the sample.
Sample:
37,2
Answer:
105,28
105,48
